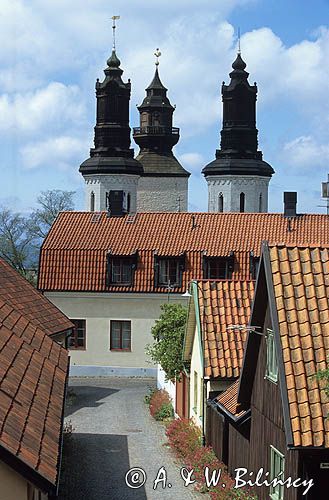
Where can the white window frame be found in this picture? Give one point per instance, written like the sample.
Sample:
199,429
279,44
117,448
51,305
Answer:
271,358
276,493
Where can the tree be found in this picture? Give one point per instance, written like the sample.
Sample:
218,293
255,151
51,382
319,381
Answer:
51,203
168,333
14,239
21,237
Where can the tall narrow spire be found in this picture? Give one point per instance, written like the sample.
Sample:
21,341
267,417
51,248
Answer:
238,161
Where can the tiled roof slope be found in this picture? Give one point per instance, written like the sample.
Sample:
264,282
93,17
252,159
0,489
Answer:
73,256
223,304
16,292
33,371
301,289
229,400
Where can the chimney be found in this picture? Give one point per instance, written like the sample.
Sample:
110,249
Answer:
290,203
117,204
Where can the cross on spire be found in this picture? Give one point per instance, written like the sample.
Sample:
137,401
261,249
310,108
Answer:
157,54
239,41
114,18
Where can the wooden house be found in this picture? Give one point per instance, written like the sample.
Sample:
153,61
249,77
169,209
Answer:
284,429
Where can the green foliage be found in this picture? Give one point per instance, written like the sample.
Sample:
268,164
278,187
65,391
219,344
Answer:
160,405
147,397
185,440
21,237
14,239
168,333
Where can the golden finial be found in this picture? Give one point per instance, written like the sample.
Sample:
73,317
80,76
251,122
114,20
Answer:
114,18
157,54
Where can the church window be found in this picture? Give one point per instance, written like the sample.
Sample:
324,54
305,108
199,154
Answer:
156,119
92,201
242,202
77,340
128,202
144,120
221,203
120,336
260,208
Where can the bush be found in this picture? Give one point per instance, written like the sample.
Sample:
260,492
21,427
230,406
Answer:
160,405
185,439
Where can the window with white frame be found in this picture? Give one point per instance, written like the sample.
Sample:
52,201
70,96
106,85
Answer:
271,359
276,471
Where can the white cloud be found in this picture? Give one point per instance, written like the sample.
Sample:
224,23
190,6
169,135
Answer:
193,162
60,152
48,108
305,152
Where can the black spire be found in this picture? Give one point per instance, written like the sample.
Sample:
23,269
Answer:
238,153
112,153
156,135
156,132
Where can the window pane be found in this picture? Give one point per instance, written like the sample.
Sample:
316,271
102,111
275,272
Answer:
120,335
78,337
217,269
121,270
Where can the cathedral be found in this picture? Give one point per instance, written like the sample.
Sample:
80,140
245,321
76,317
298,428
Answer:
154,180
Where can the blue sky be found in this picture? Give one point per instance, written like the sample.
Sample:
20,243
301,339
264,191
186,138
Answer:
51,53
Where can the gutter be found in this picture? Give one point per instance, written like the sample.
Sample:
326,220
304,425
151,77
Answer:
61,438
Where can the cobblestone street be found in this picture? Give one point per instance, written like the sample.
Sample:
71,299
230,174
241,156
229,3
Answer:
114,432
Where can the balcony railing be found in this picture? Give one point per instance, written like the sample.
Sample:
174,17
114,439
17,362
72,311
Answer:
156,130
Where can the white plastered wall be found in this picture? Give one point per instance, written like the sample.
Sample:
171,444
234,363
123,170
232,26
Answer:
98,309
196,367
231,187
13,486
102,183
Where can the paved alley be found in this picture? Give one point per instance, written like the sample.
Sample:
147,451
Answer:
114,432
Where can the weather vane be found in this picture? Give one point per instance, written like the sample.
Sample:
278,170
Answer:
114,18
239,42
157,54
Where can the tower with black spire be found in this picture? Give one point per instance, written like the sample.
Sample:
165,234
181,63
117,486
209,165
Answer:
163,185
238,178
111,173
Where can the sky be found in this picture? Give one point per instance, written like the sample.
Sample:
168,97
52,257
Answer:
51,53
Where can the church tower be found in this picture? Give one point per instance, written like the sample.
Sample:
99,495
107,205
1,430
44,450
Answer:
163,184
111,173
238,178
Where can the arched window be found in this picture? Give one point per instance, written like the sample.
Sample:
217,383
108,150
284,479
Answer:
220,202
260,208
92,201
242,202
128,203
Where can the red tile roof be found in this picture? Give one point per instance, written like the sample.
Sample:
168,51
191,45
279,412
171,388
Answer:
228,400
221,305
74,254
301,289
17,292
33,372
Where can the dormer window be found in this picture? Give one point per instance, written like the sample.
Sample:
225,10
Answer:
168,271
121,269
254,265
271,359
215,268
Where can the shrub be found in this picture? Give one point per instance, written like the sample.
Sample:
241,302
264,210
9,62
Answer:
160,405
185,439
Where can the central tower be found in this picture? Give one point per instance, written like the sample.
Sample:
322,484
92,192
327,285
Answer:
164,183
238,178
